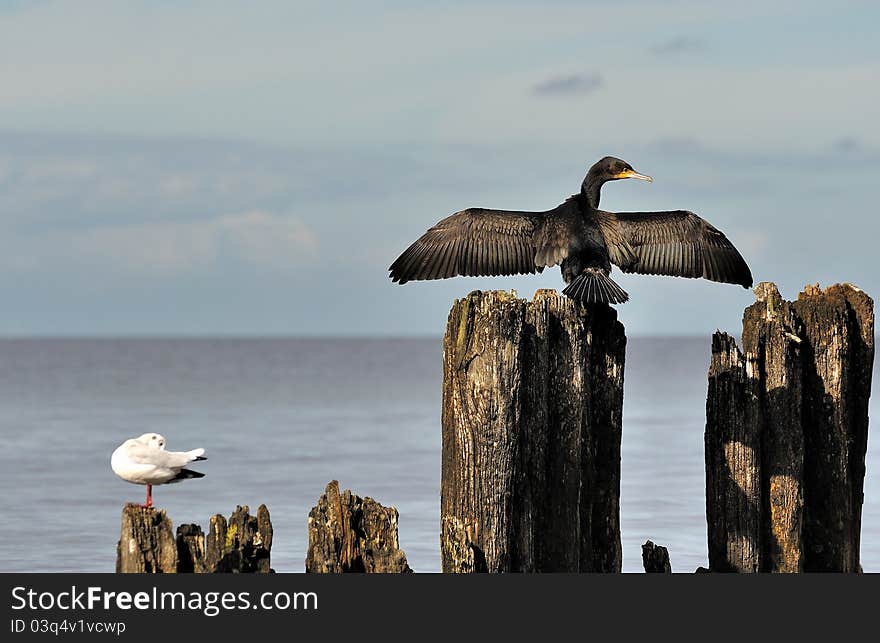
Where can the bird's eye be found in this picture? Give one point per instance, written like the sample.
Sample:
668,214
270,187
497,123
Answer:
152,437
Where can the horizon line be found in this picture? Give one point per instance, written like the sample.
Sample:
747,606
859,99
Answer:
260,336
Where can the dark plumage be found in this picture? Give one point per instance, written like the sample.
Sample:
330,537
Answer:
186,474
578,236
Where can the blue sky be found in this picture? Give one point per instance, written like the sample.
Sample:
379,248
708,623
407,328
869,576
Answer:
253,168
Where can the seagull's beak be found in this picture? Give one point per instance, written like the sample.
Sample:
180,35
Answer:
632,174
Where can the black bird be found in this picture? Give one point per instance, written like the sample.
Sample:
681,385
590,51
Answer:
581,238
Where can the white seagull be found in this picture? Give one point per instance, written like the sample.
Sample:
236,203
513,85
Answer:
144,460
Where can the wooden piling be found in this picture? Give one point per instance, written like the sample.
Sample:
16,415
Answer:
191,550
655,559
242,544
146,542
532,406
732,446
786,433
348,533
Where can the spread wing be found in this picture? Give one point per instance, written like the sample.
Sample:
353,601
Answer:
676,243
482,242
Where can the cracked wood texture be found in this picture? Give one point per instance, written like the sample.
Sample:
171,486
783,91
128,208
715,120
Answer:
348,533
242,544
786,433
532,405
655,559
146,542
191,550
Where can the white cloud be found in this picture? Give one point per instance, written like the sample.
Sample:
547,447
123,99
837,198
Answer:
262,238
59,168
256,238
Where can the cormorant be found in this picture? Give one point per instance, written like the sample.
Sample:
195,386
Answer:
581,238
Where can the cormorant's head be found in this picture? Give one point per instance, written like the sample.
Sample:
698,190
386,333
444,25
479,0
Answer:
613,169
607,169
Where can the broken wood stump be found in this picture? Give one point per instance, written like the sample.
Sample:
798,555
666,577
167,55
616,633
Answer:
191,549
147,544
532,406
242,544
786,433
348,533
655,559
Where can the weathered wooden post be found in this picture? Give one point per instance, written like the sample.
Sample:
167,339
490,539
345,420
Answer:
786,433
191,550
733,507
146,542
655,559
243,544
348,533
532,406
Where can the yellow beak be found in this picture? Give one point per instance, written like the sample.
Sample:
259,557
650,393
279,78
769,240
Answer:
632,174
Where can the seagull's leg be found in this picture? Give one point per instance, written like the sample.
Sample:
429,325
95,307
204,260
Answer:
149,496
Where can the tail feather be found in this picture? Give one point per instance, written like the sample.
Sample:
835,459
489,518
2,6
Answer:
594,286
186,474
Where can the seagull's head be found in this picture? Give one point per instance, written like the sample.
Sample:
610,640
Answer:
153,440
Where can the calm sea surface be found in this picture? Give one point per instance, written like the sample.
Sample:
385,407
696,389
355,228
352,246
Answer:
282,417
